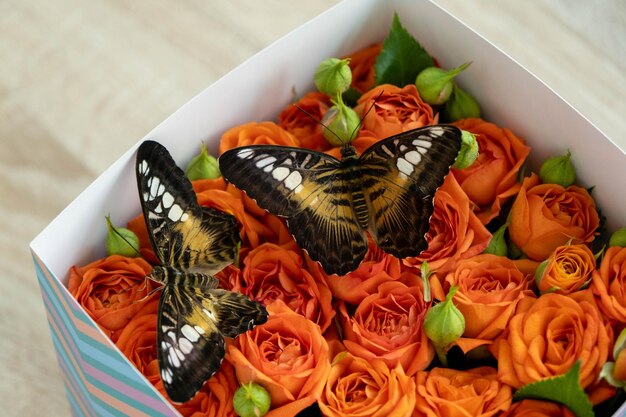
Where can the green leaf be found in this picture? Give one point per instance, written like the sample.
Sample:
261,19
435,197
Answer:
564,389
401,58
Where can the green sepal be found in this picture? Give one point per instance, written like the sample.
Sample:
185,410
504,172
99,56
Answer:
563,389
497,245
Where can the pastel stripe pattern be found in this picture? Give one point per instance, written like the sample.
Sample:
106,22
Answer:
99,380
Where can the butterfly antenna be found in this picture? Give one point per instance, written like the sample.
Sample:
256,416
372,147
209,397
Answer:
356,129
316,120
126,240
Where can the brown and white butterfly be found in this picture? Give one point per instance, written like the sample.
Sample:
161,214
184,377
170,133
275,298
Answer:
192,243
329,204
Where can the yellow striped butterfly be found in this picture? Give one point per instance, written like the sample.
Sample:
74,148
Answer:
192,243
329,203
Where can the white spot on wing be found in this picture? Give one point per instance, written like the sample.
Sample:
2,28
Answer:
167,200
190,333
422,143
280,173
293,180
413,157
175,213
154,183
199,329
209,314
404,166
244,153
265,162
185,345
436,131
143,167
166,375
386,150
173,358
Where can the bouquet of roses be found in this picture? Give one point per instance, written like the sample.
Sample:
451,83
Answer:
515,306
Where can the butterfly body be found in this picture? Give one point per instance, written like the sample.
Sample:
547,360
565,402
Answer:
192,243
329,204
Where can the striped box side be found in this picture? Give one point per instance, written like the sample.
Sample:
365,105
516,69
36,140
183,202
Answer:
99,380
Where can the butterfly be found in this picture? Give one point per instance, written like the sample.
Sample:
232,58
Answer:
329,204
192,243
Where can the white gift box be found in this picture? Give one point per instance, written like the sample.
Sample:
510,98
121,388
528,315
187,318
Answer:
99,379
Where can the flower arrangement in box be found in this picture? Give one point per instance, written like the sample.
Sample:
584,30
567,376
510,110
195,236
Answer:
513,306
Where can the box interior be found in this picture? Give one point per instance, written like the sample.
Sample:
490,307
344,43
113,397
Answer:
259,88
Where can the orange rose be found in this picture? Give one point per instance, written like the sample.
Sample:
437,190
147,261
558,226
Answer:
137,341
545,216
455,231
256,133
547,335
568,269
490,287
271,272
308,130
112,290
387,325
492,179
287,355
394,111
609,284
357,387
448,392
536,408
377,268
362,66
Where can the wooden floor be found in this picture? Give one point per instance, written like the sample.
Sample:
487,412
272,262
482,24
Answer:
80,81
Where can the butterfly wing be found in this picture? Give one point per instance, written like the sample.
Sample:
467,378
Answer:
181,232
311,191
190,337
400,177
190,346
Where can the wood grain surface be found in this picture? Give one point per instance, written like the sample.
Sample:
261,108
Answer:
81,81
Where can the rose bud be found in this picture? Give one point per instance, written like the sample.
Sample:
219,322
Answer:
469,151
618,238
497,244
435,84
558,170
333,76
121,241
568,269
251,400
461,105
341,123
444,324
203,167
